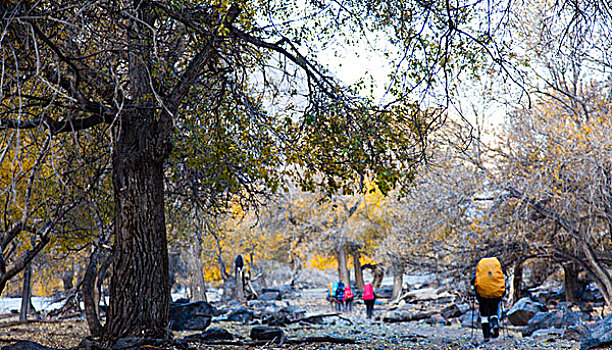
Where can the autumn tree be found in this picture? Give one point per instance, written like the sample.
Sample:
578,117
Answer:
203,95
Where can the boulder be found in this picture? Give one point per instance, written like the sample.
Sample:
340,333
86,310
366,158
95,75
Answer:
191,316
26,345
562,318
240,315
523,310
600,335
266,333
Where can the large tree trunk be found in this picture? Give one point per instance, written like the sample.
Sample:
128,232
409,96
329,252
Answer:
139,288
358,270
343,273
570,271
26,293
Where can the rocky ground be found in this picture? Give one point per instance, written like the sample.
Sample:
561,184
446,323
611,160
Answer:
368,334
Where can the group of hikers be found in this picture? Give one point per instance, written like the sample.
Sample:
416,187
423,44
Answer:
489,288
341,297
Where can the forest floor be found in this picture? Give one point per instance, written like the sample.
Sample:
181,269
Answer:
368,334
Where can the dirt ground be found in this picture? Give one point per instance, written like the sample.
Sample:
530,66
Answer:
368,334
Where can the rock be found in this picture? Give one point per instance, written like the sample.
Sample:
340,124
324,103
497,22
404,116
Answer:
240,315
26,345
212,334
261,304
384,292
547,332
271,296
437,320
191,316
600,335
282,316
454,310
267,333
562,318
137,343
523,310
425,294
470,319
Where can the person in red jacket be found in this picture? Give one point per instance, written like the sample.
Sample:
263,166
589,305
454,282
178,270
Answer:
369,297
348,298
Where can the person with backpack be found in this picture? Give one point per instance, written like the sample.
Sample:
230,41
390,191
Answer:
489,287
331,292
369,298
339,296
348,298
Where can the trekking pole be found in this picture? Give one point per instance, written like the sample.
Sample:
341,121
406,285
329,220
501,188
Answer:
472,319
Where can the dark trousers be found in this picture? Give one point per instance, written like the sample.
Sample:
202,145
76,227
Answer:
369,307
488,306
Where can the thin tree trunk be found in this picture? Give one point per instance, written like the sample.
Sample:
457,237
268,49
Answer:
26,293
196,271
398,280
240,285
67,278
358,271
603,280
91,293
379,274
570,271
517,281
140,254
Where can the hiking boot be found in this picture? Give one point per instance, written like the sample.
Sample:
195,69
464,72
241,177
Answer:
486,331
494,326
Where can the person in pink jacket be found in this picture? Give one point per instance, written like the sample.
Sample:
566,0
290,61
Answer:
369,297
348,298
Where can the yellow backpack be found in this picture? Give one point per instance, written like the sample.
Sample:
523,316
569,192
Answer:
489,280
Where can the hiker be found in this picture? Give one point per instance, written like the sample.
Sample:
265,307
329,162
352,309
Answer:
340,296
348,298
489,287
369,297
238,266
331,292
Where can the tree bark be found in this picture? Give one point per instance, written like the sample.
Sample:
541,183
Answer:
91,291
67,278
343,273
570,271
379,274
197,284
358,270
517,281
26,293
139,288
398,280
